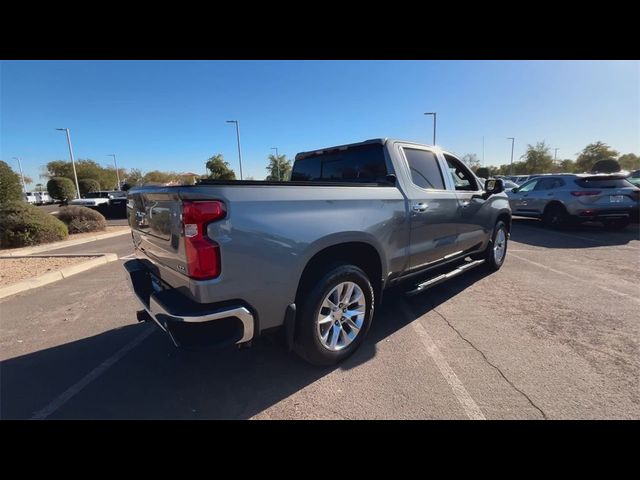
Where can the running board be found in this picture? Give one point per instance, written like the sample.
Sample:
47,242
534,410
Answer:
445,276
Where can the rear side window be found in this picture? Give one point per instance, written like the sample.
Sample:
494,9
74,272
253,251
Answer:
603,183
361,164
425,171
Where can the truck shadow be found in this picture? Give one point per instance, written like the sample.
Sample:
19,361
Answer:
588,235
156,381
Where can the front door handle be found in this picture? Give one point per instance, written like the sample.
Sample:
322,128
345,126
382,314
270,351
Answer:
420,207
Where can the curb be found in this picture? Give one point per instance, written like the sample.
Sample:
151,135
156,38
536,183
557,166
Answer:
65,243
51,277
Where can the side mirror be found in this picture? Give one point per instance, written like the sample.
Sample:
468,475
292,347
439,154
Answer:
515,189
493,186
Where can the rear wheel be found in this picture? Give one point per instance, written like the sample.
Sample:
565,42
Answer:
335,315
555,216
617,224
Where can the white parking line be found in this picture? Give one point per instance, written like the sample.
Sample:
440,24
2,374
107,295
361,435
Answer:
90,377
469,406
608,290
129,257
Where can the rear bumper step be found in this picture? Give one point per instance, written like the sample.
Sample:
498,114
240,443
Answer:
189,324
445,276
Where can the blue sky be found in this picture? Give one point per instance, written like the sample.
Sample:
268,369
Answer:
170,115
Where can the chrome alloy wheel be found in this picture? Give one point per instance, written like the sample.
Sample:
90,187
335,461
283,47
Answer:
341,316
500,246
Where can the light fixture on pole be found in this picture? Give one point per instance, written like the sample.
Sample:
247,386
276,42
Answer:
116,164
434,125
73,162
512,142
277,161
238,136
24,186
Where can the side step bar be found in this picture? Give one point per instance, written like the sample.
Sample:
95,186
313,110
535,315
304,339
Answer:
445,276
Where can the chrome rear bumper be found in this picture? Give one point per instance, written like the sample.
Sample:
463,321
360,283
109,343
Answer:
182,318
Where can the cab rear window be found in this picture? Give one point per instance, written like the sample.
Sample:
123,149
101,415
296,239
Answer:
360,164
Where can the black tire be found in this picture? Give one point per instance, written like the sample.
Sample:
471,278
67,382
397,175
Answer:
617,224
555,216
491,263
307,343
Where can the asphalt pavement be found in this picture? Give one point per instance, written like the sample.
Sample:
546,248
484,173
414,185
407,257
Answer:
553,335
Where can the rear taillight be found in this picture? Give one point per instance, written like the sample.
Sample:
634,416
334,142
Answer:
585,193
203,254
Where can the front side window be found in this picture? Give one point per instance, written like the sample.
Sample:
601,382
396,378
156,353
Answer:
425,171
527,187
462,178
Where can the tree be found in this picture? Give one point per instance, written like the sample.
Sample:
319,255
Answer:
537,159
567,166
219,169
85,168
592,153
279,168
27,180
471,160
133,178
61,188
629,161
608,165
156,176
10,186
88,185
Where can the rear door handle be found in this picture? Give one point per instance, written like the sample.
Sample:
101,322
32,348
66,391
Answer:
420,207
466,203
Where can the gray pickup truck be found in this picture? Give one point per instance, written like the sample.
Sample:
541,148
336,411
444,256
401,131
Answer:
225,261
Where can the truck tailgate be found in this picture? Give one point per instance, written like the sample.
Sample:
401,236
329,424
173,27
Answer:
155,220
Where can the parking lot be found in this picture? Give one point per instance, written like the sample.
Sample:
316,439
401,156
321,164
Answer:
553,335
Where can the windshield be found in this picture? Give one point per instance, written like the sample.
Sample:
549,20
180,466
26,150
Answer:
97,195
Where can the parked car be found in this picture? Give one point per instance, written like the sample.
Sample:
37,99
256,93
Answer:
43,198
634,178
102,200
30,197
570,198
227,261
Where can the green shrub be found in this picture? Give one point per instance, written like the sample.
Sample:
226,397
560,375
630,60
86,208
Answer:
61,188
87,185
10,188
22,224
82,219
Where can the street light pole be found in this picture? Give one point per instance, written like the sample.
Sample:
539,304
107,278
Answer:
555,154
277,161
512,142
116,164
73,162
434,125
24,186
238,136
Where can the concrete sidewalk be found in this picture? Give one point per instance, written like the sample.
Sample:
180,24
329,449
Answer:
21,252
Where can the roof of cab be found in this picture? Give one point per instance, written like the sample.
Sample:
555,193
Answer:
346,146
